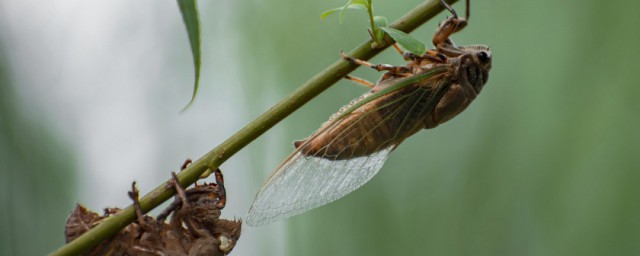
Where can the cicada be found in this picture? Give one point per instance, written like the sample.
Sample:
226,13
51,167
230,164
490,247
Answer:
350,148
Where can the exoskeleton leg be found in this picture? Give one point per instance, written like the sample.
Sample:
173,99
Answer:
180,190
134,194
222,192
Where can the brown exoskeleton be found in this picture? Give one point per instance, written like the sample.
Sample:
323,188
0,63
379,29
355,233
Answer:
350,148
195,227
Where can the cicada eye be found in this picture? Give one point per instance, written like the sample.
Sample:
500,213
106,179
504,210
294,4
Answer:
484,56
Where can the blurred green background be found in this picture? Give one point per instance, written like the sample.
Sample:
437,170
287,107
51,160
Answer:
544,162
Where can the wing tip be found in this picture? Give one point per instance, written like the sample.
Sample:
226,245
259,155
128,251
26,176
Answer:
256,219
253,222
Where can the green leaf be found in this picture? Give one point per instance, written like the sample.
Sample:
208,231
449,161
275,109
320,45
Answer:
189,11
407,42
379,21
342,10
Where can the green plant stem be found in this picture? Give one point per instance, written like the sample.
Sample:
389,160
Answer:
374,28
250,132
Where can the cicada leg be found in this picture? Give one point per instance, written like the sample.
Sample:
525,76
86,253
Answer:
182,195
222,192
360,81
179,217
451,25
134,194
392,70
186,164
180,190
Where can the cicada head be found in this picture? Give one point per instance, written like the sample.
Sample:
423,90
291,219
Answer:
474,65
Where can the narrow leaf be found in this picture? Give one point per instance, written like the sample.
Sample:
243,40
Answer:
189,11
407,42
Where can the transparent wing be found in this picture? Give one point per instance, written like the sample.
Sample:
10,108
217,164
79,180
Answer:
306,182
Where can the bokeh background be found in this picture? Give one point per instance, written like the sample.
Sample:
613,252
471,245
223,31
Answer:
545,162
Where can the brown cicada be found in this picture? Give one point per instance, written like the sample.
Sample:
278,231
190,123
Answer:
350,148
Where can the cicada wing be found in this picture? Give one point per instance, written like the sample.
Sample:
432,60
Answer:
306,182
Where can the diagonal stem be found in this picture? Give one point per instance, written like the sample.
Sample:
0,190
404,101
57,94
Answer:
212,160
